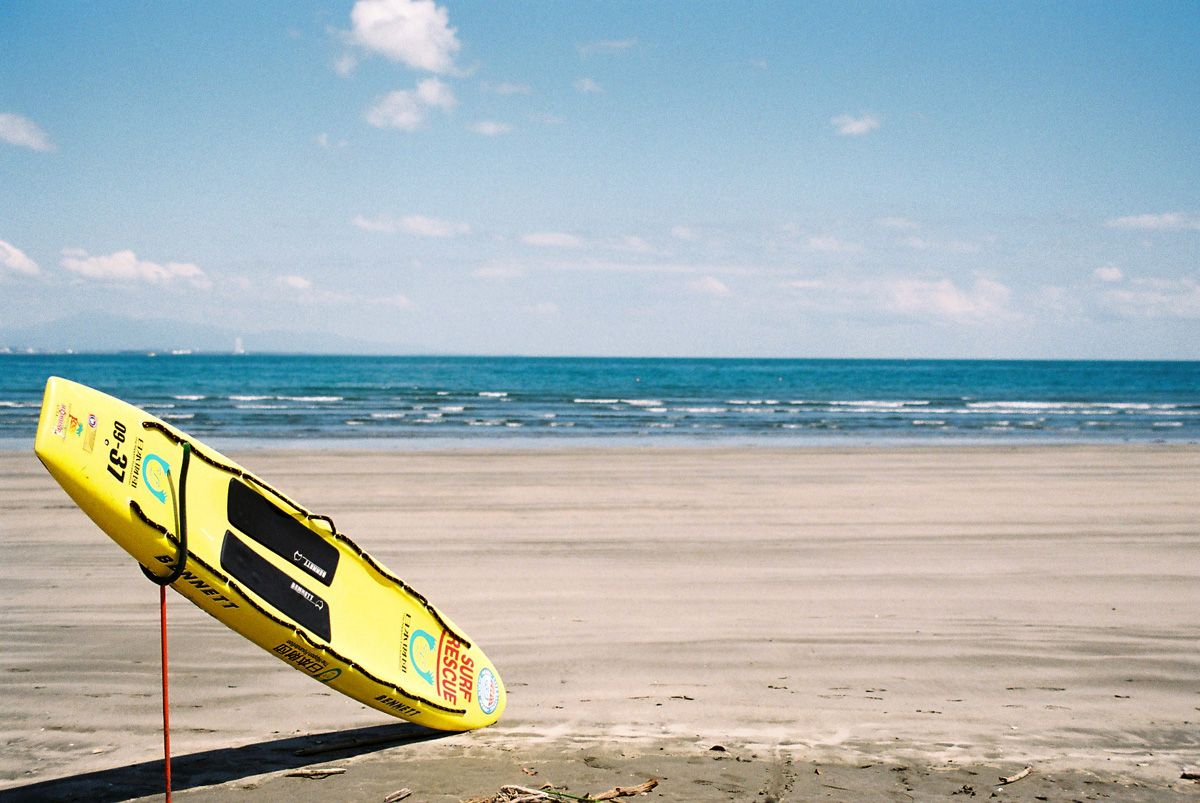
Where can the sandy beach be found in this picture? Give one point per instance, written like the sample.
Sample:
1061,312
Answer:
847,624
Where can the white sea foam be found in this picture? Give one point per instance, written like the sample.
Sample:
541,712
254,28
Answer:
702,410
13,404
260,406
493,394
189,397
1168,423
177,416
452,408
1095,407
249,398
642,402
597,401
310,398
883,405
388,415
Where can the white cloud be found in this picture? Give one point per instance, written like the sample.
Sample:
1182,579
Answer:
419,225
685,233
399,109
407,110
413,32
438,94
552,239
709,285
933,299
432,227
379,223
899,223
345,64
833,245
397,300
1167,221
328,143
23,132
506,88
1154,298
295,282
634,245
587,85
490,128
307,293
943,298
1108,273
606,46
951,246
14,259
651,267
855,126
124,266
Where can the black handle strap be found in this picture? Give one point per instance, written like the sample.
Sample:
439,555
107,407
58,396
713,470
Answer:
180,523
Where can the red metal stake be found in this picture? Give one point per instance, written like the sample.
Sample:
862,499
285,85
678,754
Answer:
162,609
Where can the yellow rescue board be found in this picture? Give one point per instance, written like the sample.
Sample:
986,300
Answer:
262,565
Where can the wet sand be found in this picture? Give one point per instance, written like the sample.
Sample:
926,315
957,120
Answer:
946,610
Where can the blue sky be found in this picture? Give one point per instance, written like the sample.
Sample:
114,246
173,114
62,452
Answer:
760,179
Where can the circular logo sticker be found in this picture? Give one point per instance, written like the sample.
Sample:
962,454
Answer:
488,690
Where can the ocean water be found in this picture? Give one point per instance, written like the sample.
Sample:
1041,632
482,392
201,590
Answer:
402,402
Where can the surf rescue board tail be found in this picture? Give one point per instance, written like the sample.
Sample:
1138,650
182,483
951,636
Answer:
284,578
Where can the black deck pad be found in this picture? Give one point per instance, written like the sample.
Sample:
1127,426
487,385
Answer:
289,597
259,518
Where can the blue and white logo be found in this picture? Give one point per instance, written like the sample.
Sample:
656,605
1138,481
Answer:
153,477
488,690
430,647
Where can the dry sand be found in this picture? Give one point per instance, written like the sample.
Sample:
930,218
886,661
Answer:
956,612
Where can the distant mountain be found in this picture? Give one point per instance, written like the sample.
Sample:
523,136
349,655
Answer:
105,333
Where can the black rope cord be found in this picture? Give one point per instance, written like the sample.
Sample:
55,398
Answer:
180,506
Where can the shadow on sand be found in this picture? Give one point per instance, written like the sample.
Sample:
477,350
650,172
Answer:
222,765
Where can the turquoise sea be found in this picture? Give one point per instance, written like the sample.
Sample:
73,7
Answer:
403,402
